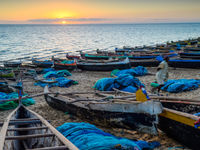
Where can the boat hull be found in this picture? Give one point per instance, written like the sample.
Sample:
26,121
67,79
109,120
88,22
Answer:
184,130
143,122
184,63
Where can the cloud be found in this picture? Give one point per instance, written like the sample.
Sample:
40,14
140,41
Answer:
69,19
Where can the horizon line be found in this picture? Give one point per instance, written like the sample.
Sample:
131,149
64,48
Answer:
96,23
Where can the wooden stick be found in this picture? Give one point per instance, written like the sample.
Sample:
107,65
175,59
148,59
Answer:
27,129
41,94
22,137
51,148
174,98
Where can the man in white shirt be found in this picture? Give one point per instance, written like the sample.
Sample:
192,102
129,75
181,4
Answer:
162,72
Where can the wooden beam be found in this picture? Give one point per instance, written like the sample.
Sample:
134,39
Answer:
27,129
178,116
51,148
22,137
22,122
56,132
5,127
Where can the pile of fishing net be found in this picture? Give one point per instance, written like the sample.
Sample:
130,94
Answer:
180,85
124,82
137,71
54,78
13,104
59,82
56,74
88,137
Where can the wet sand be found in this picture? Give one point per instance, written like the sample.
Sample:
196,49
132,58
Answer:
87,80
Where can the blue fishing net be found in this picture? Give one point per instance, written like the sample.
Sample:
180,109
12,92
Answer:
61,82
104,84
88,137
45,70
137,71
123,82
13,104
56,74
180,85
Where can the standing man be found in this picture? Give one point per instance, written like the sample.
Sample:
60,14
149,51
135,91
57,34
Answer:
162,72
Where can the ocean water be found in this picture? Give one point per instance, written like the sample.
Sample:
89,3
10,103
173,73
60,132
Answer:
42,41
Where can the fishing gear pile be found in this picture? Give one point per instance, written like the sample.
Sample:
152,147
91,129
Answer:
88,137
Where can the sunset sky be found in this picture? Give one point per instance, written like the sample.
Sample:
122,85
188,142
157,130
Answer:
98,11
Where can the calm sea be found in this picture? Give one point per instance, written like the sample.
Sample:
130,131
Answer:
27,41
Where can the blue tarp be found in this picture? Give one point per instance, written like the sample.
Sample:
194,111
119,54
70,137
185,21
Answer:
180,85
137,71
61,82
56,74
88,137
124,82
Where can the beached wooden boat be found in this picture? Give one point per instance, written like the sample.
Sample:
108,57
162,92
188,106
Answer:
64,64
72,57
190,55
144,63
6,73
107,111
184,63
194,49
177,121
12,63
42,63
25,129
103,65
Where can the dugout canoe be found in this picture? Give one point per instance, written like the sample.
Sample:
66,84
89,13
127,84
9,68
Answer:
190,55
12,64
107,111
184,63
65,64
178,120
144,63
42,63
25,129
103,65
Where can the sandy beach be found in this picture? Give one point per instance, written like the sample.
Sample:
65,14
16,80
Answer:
87,80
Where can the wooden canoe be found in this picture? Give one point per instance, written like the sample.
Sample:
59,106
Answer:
177,121
190,55
69,66
12,63
103,66
184,63
25,129
108,112
42,63
144,63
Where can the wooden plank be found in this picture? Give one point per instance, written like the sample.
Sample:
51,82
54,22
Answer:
22,122
51,148
22,137
4,128
24,119
181,117
174,98
56,132
27,129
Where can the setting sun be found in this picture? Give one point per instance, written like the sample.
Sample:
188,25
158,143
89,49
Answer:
64,22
